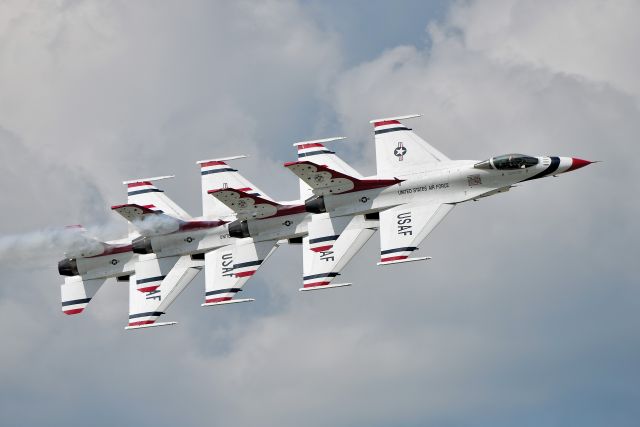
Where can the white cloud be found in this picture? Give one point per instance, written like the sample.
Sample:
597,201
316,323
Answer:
528,303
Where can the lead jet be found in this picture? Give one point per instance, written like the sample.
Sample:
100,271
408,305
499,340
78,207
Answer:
415,187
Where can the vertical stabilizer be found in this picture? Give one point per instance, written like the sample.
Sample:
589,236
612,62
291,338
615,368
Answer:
316,152
399,151
216,174
143,192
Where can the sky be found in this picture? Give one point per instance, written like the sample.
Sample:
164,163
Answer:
526,315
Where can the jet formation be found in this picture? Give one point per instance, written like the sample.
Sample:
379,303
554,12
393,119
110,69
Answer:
339,210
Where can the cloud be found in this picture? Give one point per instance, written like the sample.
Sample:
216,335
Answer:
525,314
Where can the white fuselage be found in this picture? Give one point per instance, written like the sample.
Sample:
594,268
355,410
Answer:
450,182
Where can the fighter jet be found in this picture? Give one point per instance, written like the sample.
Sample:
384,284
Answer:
415,187
88,265
154,282
259,218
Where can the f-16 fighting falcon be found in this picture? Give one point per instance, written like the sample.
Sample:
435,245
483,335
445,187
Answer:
88,269
415,187
231,241
88,266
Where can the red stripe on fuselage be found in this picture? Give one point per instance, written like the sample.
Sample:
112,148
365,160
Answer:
197,225
74,311
113,250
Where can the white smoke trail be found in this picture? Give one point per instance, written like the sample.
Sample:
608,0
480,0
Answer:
42,247
154,225
47,246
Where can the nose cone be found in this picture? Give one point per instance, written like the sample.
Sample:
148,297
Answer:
578,163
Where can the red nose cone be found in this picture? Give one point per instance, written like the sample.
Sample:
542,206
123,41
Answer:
578,163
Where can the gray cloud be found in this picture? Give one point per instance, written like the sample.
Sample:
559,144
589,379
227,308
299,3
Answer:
526,314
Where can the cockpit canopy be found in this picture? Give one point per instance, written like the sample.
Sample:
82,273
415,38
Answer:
507,162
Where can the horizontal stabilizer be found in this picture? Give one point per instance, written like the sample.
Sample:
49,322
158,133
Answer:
76,293
399,261
317,288
153,325
232,301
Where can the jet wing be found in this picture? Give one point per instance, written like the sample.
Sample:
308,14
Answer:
143,192
147,221
403,227
246,205
156,284
324,180
227,269
216,173
330,245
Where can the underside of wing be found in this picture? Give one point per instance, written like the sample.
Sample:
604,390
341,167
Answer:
148,221
324,180
330,245
156,284
227,269
403,228
246,205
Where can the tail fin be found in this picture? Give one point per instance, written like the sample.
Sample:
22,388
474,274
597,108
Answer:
216,174
399,150
142,192
316,152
